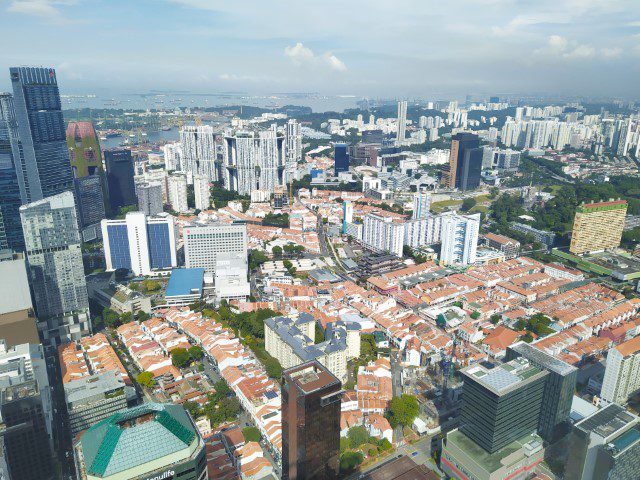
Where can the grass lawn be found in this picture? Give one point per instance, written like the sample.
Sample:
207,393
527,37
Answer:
439,207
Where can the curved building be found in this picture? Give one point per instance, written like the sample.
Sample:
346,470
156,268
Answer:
84,149
151,441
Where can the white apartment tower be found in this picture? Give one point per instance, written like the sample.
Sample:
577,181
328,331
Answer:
383,234
421,204
177,183
293,147
402,121
254,161
202,192
172,157
459,239
622,375
199,151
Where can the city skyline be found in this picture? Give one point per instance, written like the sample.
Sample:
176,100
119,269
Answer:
565,47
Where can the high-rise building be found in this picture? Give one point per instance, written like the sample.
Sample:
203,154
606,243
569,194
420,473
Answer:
90,198
150,200
311,397
558,390
121,186
205,243
202,192
459,237
139,243
502,404
17,318
26,412
622,375
46,170
253,160
56,271
198,147
598,226
402,121
150,441
173,157
84,149
340,158
421,204
605,445
11,160
177,186
383,234
465,162
347,215
293,147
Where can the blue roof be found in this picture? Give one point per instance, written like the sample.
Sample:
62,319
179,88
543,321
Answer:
185,281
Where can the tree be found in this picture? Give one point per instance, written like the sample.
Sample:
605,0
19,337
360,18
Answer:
251,434
195,352
403,410
111,319
222,390
257,258
142,316
350,460
193,408
146,379
495,318
319,334
384,445
277,251
126,317
357,436
344,444
180,357
468,204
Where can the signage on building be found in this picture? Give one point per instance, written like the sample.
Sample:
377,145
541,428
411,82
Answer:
163,476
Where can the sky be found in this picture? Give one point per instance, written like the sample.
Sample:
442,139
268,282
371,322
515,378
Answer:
375,48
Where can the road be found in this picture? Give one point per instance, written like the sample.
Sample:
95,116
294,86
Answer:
396,387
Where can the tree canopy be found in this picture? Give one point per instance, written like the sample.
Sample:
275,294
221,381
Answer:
403,410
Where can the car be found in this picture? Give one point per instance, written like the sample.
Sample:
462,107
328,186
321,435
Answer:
414,454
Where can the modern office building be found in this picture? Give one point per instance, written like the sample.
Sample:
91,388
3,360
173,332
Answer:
253,160
622,374
46,170
17,317
139,243
598,226
201,192
89,194
465,162
177,186
311,398
292,342
148,442
605,445
204,243
11,160
501,405
383,234
340,158
402,122
84,149
421,205
558,390
459,237
56,271
93,398
120,183
150,199
198,149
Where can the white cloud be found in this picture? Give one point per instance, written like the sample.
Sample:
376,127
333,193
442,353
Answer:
558,46
304,56
611,52
580,51
45,9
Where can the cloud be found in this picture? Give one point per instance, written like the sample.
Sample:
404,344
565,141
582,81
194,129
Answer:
558,46
611,52
45,9
304,56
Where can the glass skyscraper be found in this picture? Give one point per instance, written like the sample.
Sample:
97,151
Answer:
121,186
341,158
46,170
10,159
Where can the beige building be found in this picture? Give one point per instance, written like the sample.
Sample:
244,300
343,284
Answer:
598,226
292,342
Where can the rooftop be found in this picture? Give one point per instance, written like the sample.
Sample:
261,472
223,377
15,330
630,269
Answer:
88,387
629,348
607,421
501,378
543,359
310,377
403,468
185,281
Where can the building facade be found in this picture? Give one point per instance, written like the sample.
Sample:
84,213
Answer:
177,186
421,205
402,122
84,149
139,243
598,226
89,193
203,244
198,151
622,374
311,398
56,270
465,162
120,183
150,198
201,192
340,158
383,234
459,237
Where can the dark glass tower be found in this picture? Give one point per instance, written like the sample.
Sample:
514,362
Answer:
46,170
341,158
558,390
310,423
465,162
90,199
502,404
10,160
121,186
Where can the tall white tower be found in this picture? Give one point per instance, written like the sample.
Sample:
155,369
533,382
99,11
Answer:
402,121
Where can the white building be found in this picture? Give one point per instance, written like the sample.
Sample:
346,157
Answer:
139,243
293,146
421,204
423,231
253,161
177,183
459,237
402,121
202,192
205,243
172,156
199,151
150,199
622,375
383,234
